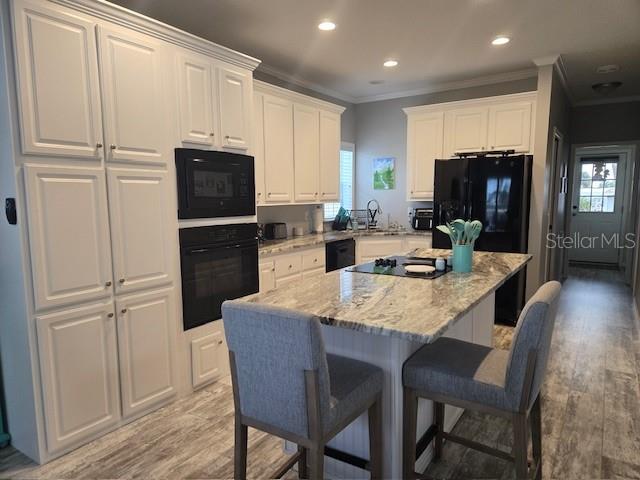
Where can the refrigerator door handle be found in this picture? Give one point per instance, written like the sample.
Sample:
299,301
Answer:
470,201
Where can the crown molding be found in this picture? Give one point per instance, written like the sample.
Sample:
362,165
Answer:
606,101
260,86
294,80
149,26
562,73
455,85
439,107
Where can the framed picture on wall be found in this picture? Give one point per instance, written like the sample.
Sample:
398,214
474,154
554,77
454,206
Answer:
384,173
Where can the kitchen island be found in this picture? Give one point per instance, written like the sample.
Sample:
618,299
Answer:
384,319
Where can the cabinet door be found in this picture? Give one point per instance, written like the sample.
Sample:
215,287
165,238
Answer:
133,100
140,230
370,249
68,234
412,243
510,126
278,149
146,333
79,370
306,152
235,87
329,157
197,99
267,276
58,85
424,146
258,146
209,359
466,130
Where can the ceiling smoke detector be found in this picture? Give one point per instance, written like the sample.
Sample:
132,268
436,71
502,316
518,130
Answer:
376,82
608,68
605,88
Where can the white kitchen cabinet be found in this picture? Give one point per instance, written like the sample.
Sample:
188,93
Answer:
258,147
235,90
466,130
68,234
267,276
417,241
209,358
306,152
146,337
368,249
79,372
58,82
132,71
510,126
329,156
197,97
140,230
425,136
288,265
278,149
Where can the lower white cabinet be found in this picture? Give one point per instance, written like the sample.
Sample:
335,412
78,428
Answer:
267,276
280,270
209,358
370,248
79,371
146,334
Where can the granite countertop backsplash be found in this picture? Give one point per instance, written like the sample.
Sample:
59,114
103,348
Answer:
270,247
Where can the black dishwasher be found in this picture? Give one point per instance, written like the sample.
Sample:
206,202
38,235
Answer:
340,254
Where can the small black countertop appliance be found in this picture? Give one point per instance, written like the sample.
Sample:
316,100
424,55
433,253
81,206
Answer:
340,254
275,231
422,219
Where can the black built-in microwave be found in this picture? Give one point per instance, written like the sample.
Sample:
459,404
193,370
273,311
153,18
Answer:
214,184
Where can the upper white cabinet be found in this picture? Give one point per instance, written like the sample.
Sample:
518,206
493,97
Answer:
510,126
58,82
306,154
278,149
197,99
140,229
424,145
146,332
440,131
235,88
79,371
297,147
329,156
68,234
133,99
258,147
466,130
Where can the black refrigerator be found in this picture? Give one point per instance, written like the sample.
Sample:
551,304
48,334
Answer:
496,191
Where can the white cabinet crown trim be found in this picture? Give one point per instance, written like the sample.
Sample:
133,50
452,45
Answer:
136,21
472,102
296,97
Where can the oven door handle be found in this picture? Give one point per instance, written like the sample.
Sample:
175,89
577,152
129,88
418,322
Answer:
196,251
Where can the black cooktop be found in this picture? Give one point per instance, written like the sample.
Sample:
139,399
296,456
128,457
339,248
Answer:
395,266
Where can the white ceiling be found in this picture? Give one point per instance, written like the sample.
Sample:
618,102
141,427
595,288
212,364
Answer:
436,42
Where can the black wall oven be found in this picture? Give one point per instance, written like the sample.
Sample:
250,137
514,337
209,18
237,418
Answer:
214,184
218,263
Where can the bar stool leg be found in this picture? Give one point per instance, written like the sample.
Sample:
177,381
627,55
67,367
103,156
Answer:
409,419
375,439
438,411
316,462
240,451
536,435
520,443
302,463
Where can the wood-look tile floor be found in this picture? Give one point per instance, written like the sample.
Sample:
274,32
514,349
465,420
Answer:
591,413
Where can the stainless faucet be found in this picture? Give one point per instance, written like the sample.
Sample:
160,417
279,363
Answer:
371,214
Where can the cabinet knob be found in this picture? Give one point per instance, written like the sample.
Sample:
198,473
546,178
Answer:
219,342
110,315
259,193
227,137
269,194
316,194
98,145
123,311
212,134
108,284
315,260
121,281
112,146
290,266
273,269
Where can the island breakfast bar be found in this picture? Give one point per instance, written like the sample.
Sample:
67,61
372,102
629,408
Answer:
384,319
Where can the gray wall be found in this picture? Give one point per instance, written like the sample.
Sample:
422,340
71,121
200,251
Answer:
381,131
613,122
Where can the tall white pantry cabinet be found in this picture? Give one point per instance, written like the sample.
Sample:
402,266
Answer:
93,99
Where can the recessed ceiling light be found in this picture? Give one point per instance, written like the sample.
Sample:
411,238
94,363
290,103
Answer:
390,63
500,40
327,25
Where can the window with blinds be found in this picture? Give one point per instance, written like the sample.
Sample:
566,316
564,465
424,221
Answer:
346,184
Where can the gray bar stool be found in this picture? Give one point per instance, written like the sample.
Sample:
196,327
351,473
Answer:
499,382
285,384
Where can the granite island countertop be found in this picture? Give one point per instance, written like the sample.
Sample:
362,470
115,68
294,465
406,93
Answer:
270,247
414,309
